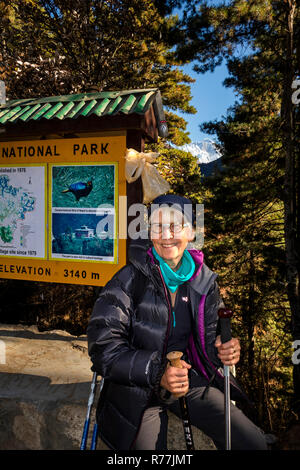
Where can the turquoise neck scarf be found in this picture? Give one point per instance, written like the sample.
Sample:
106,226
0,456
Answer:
173,279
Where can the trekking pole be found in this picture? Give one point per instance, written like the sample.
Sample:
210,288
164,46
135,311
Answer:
88,414
224,315
95,430
174,358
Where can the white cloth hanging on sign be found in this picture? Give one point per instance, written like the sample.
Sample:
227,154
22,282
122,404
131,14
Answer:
140,164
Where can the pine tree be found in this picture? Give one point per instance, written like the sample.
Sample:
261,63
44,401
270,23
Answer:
56,47
255,204
245,244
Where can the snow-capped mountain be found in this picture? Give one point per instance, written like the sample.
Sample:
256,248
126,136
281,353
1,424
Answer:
205,150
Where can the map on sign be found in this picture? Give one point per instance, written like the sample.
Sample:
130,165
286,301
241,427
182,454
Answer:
22,208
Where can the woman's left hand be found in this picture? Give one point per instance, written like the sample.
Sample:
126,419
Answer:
228,353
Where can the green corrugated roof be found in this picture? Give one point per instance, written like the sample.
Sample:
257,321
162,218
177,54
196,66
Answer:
108,103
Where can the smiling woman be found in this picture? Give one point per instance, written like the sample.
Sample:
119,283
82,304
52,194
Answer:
165,299
170,232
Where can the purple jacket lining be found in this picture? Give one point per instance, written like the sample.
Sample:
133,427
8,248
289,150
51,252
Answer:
202,337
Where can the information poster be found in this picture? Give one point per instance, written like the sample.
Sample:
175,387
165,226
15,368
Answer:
59,210
83,212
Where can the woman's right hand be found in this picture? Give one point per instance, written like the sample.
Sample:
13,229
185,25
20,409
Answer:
176,380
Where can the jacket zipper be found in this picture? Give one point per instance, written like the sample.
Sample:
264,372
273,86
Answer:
170,312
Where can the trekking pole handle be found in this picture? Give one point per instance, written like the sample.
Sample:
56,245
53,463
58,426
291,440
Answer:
174,358
225,315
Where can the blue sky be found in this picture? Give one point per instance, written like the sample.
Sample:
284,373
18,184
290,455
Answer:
210,98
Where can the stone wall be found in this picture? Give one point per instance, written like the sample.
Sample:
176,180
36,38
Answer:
44,388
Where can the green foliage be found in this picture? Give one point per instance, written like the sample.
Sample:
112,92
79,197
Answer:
60,47
176,128
181,170
245,207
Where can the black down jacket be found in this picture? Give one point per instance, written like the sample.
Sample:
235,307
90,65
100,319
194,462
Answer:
128,333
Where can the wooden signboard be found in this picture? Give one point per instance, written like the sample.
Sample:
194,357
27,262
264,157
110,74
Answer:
62,206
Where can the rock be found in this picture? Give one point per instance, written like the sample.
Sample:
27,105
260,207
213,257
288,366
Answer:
44,389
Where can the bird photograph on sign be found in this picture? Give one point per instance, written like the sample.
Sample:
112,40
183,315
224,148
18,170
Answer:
83,185
80,189
83,211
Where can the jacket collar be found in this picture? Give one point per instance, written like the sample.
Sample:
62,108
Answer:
203,276
140,255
